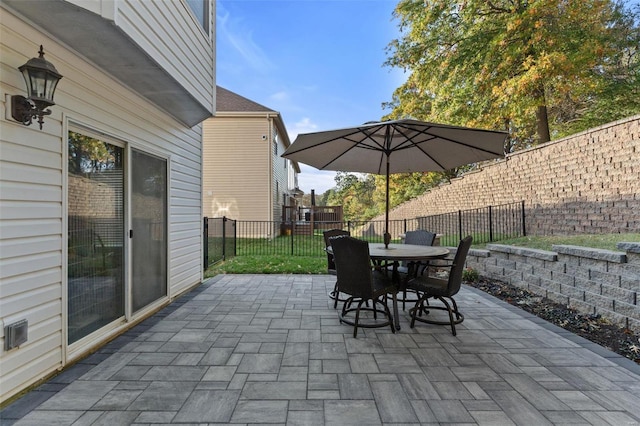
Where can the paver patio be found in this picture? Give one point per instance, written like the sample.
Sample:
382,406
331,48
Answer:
248,349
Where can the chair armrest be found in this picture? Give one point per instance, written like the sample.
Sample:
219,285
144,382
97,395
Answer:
449,265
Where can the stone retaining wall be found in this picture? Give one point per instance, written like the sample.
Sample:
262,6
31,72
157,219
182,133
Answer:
593,281
585,183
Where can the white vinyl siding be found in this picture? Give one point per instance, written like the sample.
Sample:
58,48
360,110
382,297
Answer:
166,31
281,176
33,176
237,180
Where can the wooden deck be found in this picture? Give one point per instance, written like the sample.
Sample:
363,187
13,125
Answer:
304,220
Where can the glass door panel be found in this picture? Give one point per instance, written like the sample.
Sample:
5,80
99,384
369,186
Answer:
95,234
149,229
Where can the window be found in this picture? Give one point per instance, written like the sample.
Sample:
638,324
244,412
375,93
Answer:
275,148
200,9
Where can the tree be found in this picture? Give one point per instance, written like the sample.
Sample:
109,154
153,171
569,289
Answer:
535,68
355,194
403,187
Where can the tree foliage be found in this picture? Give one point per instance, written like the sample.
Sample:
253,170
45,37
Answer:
89,155
539,69
354,193
510,64
403,187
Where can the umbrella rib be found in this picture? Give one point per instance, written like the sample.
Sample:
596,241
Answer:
409,142
444,138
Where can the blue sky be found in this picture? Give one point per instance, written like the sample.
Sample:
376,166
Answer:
319,63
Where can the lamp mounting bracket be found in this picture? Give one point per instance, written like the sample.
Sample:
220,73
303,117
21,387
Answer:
25,110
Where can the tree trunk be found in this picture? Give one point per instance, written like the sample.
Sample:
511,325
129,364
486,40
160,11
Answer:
543,124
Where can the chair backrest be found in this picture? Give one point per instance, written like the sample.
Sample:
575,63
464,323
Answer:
419,237
455,275
353,266
331,266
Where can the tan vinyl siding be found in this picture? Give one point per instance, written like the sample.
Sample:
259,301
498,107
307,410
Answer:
237,176
32,191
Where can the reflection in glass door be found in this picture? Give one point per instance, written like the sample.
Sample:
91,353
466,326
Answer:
95,234
148,229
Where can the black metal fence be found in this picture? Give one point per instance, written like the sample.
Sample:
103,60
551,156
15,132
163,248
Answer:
225,238
487,224
219,238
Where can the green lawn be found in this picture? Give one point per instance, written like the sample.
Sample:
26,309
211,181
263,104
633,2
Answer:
602,241
315,261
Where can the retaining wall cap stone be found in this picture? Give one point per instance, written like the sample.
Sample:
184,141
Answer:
524,251
479,252
630,247
591,253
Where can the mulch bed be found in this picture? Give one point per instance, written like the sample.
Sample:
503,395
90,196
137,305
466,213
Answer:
592,327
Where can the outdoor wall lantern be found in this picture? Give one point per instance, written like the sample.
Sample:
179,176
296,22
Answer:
41,78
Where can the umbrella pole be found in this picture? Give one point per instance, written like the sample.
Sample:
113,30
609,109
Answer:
387,235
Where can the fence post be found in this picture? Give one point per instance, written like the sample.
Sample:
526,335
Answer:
224,238
293,232
235,237
524,229
405,226
205,242
460,224
349,226
490,224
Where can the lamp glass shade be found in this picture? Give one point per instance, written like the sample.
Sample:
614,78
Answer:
41,78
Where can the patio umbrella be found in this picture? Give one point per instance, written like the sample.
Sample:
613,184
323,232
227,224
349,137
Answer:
397,146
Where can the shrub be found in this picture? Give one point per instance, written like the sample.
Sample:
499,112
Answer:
470,275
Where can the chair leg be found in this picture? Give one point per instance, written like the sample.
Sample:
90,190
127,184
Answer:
450,306
388,312
414,311
453,324
355,327
404,298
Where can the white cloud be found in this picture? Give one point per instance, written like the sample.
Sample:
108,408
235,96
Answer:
310,177
281,96
305,125
241,39
318,180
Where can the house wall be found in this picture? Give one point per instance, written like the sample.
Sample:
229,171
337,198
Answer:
281,176
237,173
585,183
171,36
33,184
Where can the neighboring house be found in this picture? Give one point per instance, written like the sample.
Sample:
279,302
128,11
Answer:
101,210
245,177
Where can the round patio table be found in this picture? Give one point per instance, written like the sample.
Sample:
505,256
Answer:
397,253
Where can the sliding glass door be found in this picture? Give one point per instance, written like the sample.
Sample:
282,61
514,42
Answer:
102,286
95,268
148,228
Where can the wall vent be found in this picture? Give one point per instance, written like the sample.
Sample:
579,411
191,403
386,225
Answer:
15,334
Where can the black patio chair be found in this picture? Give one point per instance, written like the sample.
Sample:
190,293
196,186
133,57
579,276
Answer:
441,289
409,270
361,282
331,266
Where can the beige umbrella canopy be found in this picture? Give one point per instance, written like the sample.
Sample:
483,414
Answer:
398,146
